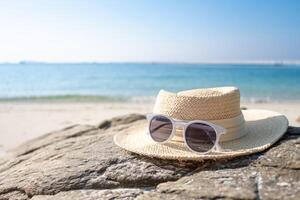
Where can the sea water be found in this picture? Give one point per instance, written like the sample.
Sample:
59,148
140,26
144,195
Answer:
134,81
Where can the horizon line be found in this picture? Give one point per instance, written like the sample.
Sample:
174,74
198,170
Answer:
266,62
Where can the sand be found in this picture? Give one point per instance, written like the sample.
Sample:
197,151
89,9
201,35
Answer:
23,121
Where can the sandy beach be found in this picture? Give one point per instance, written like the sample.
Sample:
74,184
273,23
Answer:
23,121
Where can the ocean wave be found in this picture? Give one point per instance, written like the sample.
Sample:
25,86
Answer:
116,99
142,99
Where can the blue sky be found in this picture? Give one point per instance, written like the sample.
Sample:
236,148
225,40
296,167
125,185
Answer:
146,31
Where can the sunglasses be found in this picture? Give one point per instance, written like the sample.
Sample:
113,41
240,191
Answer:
199,136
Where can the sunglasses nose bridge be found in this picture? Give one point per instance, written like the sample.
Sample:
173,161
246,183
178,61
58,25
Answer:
179,128
179,125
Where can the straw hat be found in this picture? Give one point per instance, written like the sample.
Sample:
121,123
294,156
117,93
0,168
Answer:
248,131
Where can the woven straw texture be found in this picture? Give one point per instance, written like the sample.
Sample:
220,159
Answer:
199,104
263,129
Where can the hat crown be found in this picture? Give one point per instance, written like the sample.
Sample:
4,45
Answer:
199,104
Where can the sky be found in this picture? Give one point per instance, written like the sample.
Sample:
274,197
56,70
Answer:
149,31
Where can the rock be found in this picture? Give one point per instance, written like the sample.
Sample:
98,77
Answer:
81,162
273,174
208,184
120,120
92,194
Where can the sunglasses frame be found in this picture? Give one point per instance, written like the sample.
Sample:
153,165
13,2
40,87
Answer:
184,124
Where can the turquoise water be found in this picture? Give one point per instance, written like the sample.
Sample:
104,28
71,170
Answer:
125,81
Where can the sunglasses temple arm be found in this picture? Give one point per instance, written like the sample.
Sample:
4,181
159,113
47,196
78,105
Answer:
158,127
221,130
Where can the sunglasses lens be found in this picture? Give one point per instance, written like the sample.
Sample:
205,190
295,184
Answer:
200,137
160,128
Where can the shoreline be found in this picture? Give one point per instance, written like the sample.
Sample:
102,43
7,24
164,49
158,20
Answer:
74,98
21,121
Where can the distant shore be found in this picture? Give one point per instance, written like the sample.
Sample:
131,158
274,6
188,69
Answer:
22,121
240,62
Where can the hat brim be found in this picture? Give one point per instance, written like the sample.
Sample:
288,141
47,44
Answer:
263,129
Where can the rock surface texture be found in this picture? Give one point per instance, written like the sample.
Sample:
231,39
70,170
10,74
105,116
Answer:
82,162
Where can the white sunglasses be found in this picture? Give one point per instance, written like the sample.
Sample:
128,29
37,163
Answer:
199,136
